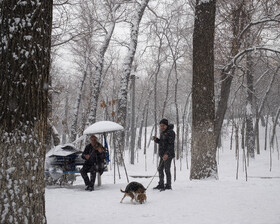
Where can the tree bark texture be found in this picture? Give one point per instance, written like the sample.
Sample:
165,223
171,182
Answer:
127,66
250,135
98,75
25,40
228,72
74,125
133,125
260,106
203,161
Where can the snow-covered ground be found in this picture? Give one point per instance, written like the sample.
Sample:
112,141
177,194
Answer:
224,201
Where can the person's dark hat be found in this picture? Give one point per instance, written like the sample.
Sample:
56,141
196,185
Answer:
164,121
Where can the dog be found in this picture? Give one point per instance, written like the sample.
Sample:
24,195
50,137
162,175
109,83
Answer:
136,191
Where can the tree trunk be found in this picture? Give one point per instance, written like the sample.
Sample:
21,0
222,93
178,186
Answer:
228,73
145,108
25,37
65,120
261,105
127,66
139,141
185,131
266,132
158,68
236,148
133,126
167,90
99,68
77,104
203,161
226,80
155,111
257,132
145,132
178,154
273,135
53,134
250,136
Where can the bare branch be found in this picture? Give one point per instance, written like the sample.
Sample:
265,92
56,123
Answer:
260,48
263,20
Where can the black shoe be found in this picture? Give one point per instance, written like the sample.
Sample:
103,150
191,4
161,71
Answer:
90,189
167,187
159,187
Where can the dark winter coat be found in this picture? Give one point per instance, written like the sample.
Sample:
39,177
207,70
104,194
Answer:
96,158
166,142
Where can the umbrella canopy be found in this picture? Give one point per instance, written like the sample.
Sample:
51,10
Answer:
103,127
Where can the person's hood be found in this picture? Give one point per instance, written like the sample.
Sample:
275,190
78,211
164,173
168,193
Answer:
170,127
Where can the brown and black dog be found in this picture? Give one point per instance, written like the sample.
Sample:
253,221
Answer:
136,191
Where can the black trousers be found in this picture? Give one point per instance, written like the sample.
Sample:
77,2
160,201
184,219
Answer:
84,172
165,166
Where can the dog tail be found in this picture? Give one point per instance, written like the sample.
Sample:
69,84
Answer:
122,191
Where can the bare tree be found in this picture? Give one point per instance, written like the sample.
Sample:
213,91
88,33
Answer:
113,7
127,67
227,74
74,125
241,25
250,135
83,50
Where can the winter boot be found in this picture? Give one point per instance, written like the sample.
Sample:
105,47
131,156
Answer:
90,188
167,187
159,187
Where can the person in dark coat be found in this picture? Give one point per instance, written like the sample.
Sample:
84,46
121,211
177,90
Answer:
166,153
94,154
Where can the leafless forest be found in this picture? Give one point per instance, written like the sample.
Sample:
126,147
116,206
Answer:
65,64
93,73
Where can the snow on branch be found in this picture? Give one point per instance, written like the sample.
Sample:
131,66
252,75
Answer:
269,87
203,1
263,20
240,54
233,62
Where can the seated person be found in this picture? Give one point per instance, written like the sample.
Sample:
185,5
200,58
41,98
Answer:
94,154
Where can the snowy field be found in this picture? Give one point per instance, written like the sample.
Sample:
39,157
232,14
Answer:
223,201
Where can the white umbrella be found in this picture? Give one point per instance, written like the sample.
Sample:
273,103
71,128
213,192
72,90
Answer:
101,127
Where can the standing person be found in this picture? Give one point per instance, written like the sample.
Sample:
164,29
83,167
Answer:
94,155
166,153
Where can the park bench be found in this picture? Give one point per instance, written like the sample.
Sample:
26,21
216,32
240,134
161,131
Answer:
63,169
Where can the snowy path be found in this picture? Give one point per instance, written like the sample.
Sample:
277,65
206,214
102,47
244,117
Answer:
226,201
